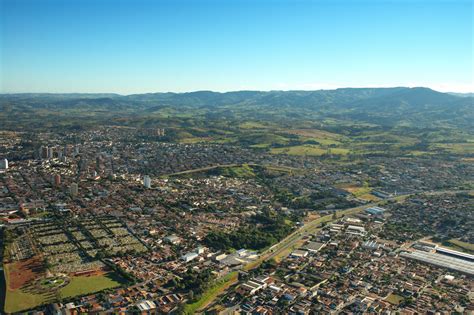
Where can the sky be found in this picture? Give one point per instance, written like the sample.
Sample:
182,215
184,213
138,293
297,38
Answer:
142,46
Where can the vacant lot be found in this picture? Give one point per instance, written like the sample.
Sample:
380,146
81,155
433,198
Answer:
22,272
394,299
369,197
358,190
17,276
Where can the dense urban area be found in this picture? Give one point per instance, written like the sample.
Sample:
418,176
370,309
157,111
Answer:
227,215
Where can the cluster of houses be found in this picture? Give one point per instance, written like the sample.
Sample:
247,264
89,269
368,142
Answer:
346,267
143,298
100,174
444,217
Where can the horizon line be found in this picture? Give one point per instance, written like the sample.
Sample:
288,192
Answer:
240,90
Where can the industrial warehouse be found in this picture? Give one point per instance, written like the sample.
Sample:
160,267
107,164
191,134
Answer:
446,258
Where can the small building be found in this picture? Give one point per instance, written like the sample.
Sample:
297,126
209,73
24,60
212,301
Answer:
172,239
4,164
146,305
314,247
375,210
371,245
356,230
253,285
189,256
299,253
200,250
220,257
242,252
380,194
147,181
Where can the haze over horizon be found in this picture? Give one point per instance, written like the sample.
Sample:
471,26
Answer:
468,93
131,47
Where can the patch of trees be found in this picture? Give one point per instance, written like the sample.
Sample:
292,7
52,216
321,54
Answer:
193,282
265,230
316,200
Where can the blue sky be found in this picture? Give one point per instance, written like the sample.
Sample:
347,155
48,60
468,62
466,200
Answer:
151,46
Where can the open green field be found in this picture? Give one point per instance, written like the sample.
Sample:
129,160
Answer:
313,150
194,140
464,246
24,298
243,171
17,300
89,284
252,125
356,189
321,136
458,148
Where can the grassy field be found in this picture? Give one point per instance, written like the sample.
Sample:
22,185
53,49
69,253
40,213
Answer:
462,245
369,197
19,299
361,192
252,125
89,284
455,244
355,189
313,150
195,140
321,136
243,171
465,245
457,148
212,293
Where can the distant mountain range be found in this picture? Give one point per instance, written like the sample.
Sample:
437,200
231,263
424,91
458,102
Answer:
415,107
